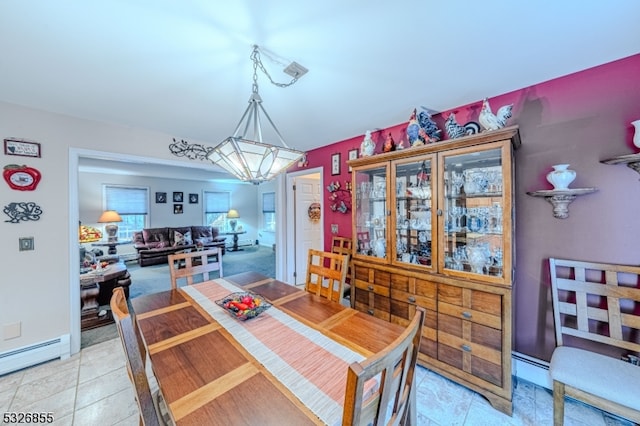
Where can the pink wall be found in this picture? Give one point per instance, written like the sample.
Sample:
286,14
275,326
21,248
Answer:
578,119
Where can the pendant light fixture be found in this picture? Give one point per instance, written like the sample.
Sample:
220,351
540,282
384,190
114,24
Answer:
244,154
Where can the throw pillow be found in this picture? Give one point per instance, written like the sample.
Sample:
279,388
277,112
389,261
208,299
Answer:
204,241
181,239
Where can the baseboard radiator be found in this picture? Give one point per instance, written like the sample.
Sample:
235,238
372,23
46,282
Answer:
531,369
37,353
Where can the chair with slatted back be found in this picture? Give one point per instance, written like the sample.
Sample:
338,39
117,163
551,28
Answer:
343,245
595,310
391,398
326,274
150,404
193,265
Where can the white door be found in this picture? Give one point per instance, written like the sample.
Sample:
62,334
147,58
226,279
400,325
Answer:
308,233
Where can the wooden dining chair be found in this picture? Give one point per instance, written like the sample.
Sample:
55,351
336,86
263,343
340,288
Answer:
151,405
326,274
381,389
189,265
343,245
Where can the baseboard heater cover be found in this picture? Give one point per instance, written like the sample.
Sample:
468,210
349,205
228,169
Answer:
531,369
27,356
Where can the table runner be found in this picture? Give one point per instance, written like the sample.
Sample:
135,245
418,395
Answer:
311,365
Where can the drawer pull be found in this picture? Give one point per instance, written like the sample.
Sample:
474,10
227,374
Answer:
412,299
370,311
466,348
466,314
370,288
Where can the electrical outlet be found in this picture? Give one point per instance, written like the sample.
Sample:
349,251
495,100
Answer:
334,228
25,243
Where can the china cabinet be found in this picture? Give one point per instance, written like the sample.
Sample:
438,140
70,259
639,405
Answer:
433,227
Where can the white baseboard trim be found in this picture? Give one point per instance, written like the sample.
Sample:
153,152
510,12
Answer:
531,369
37,353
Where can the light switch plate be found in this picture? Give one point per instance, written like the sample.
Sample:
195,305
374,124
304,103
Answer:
25,243
334,228
12,331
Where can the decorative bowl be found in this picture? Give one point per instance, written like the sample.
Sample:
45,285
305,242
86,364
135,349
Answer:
243,305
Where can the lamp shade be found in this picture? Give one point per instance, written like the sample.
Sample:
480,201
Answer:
233,214
109,216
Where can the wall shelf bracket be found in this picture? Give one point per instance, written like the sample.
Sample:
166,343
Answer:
560,199
631,160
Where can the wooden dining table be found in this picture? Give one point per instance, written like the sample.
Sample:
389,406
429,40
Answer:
207,376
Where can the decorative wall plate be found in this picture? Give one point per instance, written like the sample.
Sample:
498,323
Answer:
21,178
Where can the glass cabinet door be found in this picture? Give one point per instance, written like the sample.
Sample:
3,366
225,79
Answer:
370,212
473,220
413,234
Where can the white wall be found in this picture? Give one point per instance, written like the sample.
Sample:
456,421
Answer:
35,288
161,214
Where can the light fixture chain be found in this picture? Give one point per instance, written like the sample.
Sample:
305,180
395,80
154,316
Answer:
257,63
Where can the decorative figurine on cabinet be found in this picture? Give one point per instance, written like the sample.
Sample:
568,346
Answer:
368,146
422,129
389,144
491,121
455,130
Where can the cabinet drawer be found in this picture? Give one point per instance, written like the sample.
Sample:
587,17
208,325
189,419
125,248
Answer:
372,287
473,348
370,279
372,303
472,305
473,359
403,312
414,290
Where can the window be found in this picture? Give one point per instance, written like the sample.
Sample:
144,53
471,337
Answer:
269,211
132,204
216,206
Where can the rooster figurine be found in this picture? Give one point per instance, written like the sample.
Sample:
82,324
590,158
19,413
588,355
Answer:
491,121
422,129
455,130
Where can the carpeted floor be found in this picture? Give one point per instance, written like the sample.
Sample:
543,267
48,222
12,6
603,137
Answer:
151,279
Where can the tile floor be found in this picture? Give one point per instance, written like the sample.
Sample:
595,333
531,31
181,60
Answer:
92,388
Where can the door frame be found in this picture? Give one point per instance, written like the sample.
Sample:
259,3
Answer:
289,225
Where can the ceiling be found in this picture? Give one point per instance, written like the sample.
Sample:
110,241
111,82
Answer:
183,68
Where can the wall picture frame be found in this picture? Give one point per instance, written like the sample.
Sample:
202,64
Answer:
193,198
22,148
161,197
353,154
178,197
177,209
335,164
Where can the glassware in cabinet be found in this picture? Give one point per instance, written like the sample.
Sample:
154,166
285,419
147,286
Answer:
413,233
370,214
473,222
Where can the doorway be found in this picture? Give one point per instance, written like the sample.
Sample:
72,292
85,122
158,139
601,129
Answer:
305,231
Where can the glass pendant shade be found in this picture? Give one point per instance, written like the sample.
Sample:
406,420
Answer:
252,161
244,154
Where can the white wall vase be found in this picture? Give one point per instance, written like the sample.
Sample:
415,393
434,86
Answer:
636,135
561,176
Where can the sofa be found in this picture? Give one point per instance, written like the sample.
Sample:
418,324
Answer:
154,245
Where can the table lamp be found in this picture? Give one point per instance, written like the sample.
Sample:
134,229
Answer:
111,229
233,215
